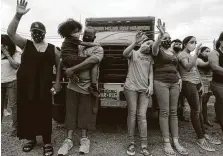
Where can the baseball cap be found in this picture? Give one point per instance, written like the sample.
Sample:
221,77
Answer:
38,26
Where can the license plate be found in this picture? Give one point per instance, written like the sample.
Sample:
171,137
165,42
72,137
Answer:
108,94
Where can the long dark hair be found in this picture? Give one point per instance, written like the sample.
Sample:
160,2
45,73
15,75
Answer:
186,40
6,41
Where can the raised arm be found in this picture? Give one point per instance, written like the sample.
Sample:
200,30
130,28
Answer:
12,28
188,65
213,59
128,51
161,28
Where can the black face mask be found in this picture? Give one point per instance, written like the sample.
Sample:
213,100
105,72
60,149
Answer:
166,44
176,49
38,36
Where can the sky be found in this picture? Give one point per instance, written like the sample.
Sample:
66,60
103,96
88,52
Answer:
200,18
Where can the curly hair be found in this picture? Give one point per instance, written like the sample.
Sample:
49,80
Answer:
6,41
66,28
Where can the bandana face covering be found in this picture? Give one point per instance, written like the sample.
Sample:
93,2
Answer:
176,49
38,36
166,44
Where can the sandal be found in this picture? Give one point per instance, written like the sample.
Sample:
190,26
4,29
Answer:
169,150
206,146
181,151
48,150
144,151
29,146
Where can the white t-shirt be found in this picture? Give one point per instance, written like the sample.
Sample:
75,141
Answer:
138,71
8,73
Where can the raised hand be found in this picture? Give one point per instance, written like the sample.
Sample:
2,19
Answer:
214,44
21,7
139,37
198,49
161,26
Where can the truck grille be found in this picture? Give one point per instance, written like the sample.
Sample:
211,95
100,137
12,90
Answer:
114,67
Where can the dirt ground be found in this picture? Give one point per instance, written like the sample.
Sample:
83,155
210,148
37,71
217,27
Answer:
110,138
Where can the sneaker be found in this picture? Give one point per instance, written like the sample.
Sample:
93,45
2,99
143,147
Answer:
206,146
131,149
85,146
144,151
64,149
212,140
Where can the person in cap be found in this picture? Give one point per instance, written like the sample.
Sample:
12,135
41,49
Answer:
81,106
34,82
176,47
70,30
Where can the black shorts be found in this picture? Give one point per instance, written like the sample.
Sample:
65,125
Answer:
79,111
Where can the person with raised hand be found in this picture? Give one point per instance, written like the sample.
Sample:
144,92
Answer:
138,88
167,86
34,82
193,90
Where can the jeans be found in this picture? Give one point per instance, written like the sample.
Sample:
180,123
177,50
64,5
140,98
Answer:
167,95
191,92
137,106
9,90
217,89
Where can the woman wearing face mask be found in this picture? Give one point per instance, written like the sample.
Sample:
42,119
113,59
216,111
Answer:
34,82
167,86
193,89
206,75
216,62
137,90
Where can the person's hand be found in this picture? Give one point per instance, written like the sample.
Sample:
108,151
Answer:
202,90
198,49
149,91
161,27
180,83
69,72
214,44
21,7
139,37
57,86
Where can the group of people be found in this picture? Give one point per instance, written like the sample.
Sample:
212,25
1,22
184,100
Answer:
156,67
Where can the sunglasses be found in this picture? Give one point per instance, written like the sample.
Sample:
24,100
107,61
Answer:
193,42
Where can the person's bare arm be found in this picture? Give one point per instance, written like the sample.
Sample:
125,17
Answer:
201,63
213,59
128,51
188,65
161,28
12,62
12,28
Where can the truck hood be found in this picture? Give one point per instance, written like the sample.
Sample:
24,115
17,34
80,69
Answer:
115,38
